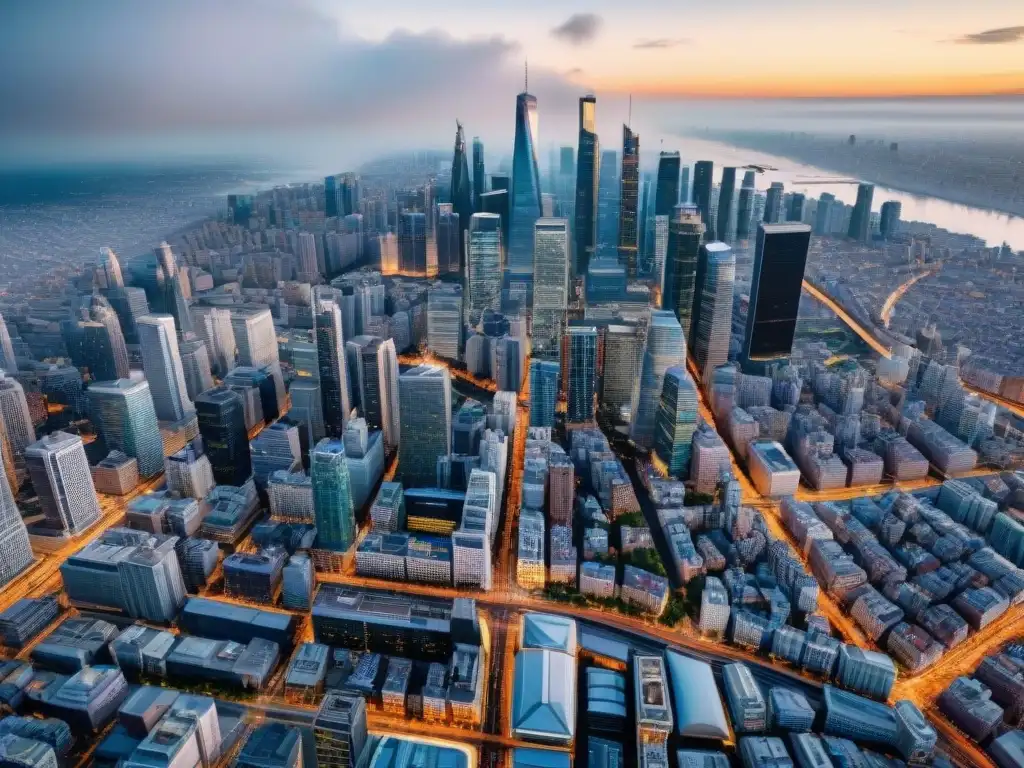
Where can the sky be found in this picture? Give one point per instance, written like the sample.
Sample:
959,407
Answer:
121,75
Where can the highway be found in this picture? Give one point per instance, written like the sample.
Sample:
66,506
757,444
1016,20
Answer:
890,302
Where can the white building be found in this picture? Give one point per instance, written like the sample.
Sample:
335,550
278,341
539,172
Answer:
60,475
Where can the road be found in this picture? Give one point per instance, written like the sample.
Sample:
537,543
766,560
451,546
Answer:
890,302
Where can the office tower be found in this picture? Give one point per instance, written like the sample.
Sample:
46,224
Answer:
348,194
15,549
712,308
703,172
125,418
796,207
450,241
308,407
334,383
195,364
779,260
60,475
508,355
106,355
461,197
608,203
188,472
222,424
860,220
623,352
666,347
676,421
109,270
255,337
497,202
685,231
484,266
550,284
525,193
412,243
372,398
745,210
162,364
725,197
890,219
544,376
629,190
130,304
587,170
332,496
387,366
16,417
215,328
582,374
307,269
444,320
425,405
666,196
330,197
773,203
822,225
339,731
479,176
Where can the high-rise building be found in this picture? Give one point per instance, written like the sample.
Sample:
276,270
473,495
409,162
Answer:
676,421
550,284
779,260
623,353
773,203
221,417
334,383
608,203
725,197
444,320
525,193
889,223
306,268
425,396
8,362
703,173
461,193
666,347
387,362
195,363
15,549
484,266
339,731
497,202
712,307
412,243
60,475
479,176
745,209
822,223
16,417
106,355
588,164
308,407
109,269
162,363
332,496
860,221
666,196
189,472
123,413
685,232
450,241
330,197
797,202
543,392
215,328
581,345
629,190
255,337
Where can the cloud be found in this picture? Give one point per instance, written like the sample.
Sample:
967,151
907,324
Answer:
660,42
578,29
994,36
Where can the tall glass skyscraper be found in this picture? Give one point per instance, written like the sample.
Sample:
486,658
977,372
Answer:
608,203
712,308
61,478
860,220
162,364
15,549
461,191
623,353
666,347
685,232
550,285
543,392
780,257
334,384
123,413
745,211
629,202
773,203
588,164
104,345
221,415
483,275
581,343
676,421
332,496
666,195
479,175
444,320
703,172
525,201
450,242
726,194
425,404
412,243
889,224
330,197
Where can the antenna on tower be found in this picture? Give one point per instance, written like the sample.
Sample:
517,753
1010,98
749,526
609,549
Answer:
526,75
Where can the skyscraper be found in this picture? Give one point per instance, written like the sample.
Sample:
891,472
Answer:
15,549
623,353
450,241
308,406
745,210
582,379
330,197
387,362
255,337
796,207
110,268
588,164
425,405
483,275
685,232
779,260
479,176
666,347
666,197
712,308
195,362
629,190
221,416
703,172
676,421
16,416
172,283
726,193
215,328
684,185
60,475
412,243
860,221
334,383
105,352
332,496
7,360
543,392
123,413
890,219
461,191
550,285
608,203
773,203
162,364
497,202
339,731
525,200
444,320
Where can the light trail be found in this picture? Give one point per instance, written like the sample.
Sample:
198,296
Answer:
890,302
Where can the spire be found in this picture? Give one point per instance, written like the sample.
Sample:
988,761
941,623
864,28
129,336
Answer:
526,75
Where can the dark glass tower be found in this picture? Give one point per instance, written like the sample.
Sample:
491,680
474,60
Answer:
412,242
608,203
796,207
773,203
725,195
330,197
629,202
449,239
702,173
823,213
525,200
666,196
333,367
779,260
860,220
685,232
587,168
461,192
745,210
582,368
497,202
221,416
479,176
890,221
